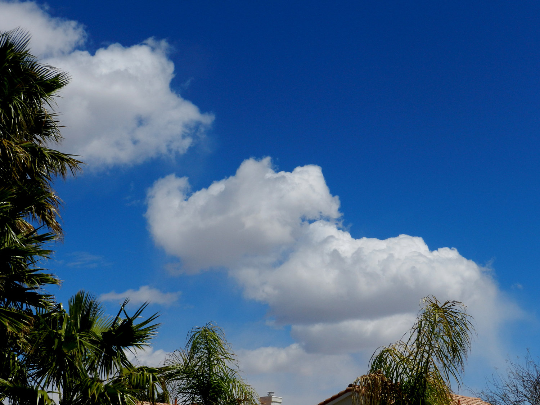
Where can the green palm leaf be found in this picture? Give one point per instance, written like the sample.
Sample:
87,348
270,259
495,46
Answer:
422,366
206,371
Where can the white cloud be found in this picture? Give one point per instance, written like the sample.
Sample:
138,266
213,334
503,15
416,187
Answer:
119,108
278,235
252,214
352,335
291,359
331,276
143,294
147,357
50,36
297,376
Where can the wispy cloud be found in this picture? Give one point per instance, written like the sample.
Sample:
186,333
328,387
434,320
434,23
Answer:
84,260
143,294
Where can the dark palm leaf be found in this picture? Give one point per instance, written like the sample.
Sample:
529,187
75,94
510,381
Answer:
28,124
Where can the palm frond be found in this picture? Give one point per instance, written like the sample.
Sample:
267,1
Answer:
206,371
376,389
432,355
28,124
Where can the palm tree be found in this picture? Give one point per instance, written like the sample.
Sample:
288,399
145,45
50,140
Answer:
21,279
28,166
206,371
420,368
80,354
21,282
28,126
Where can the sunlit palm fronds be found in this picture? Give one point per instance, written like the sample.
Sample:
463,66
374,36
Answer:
80,354
430,357
206,371
376,389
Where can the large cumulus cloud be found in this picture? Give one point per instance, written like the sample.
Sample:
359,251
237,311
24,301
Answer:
254,214
279,236
119,108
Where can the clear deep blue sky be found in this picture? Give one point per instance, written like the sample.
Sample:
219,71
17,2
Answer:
424,117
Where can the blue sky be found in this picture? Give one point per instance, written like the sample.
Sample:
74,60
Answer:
254,163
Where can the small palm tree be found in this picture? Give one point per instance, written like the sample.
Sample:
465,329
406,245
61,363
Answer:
206,371
420,368
81,354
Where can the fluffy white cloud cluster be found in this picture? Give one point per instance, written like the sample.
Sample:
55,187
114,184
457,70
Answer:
142,295
253,214
278,233
119,108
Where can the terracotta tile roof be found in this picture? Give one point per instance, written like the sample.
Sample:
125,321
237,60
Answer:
463,400
328,400
458,399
